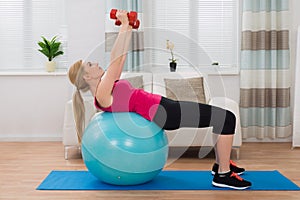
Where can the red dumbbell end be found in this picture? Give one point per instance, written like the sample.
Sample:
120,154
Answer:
118,23
113,13
136,24
132,16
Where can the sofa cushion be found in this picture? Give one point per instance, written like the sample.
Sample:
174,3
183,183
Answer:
188,89
136,81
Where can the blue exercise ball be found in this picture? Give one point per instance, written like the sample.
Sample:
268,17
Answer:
124,148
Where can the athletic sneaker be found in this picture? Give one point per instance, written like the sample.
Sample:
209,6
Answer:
230,180
233,167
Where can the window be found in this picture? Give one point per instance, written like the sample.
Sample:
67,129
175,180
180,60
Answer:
22,23
203,31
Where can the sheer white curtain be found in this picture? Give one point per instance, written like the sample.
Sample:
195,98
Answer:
22,23
203,31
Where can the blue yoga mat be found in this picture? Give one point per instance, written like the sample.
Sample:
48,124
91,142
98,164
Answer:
166,180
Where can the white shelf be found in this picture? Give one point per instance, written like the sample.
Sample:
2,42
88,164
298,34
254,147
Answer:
210,71
32,73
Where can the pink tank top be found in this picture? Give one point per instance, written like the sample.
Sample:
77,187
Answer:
129,99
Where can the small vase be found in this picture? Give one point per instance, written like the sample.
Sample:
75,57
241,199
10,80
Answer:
50,66
173,66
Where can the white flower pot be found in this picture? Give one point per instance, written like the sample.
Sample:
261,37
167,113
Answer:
50,66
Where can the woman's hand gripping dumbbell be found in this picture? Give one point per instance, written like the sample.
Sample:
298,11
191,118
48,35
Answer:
132,18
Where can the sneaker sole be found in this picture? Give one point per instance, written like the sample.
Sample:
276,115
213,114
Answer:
229,186
213,173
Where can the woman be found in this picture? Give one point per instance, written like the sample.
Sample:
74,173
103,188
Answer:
112,95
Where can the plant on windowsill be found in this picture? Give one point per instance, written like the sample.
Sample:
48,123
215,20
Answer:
51,49
173,63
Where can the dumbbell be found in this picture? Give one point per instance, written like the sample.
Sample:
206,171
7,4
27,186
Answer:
132,18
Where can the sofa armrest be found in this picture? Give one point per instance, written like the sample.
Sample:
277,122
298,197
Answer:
69,129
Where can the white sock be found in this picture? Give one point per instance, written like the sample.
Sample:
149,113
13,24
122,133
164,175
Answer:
224,172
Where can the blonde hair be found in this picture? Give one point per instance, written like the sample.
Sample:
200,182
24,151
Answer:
76,73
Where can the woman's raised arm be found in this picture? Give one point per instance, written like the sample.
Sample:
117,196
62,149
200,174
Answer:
118,58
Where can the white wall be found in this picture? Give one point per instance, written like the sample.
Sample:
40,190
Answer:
295,21
32,106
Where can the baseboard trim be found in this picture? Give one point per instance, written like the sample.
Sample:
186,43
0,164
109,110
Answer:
288,139
30,139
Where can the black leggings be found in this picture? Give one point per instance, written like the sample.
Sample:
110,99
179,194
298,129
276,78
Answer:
172,115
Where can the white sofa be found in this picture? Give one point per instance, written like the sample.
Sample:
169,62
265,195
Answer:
155,82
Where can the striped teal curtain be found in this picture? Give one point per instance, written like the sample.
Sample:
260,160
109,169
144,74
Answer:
265,70
135,56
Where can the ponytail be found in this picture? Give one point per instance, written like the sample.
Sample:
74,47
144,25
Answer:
79,114
76,73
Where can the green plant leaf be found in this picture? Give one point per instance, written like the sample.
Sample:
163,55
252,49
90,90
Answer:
53,39
44,51
42,45
46,42
58,53
55,47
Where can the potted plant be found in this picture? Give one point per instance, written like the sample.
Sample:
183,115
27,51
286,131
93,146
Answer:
51,49
173,63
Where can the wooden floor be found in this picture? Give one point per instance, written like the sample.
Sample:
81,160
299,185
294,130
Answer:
24,165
